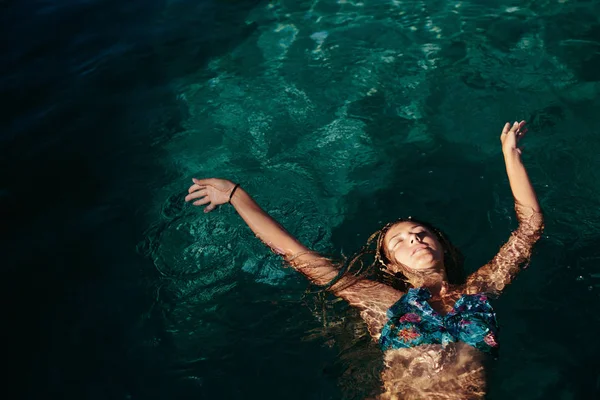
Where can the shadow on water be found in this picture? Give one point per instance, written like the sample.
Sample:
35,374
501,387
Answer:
90,98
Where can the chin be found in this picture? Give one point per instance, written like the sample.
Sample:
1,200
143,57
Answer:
427,267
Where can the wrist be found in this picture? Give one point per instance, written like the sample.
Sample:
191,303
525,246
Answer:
236,187
511,155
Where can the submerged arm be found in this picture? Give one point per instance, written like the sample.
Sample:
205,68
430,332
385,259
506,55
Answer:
516,252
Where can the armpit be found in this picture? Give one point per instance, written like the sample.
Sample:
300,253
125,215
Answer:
373,299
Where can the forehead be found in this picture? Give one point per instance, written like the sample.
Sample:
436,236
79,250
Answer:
402,227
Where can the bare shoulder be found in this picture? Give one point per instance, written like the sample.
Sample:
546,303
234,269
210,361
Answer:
373,299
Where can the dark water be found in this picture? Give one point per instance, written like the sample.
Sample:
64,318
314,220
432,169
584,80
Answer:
337,116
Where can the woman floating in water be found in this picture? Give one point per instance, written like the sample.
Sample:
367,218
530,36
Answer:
434,330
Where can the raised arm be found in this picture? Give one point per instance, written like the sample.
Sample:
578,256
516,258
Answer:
372,298
516,252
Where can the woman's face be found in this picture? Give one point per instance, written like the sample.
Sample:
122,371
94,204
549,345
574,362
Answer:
413,246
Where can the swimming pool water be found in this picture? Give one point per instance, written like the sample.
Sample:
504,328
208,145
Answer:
337,116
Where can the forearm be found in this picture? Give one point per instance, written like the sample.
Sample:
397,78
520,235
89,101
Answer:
263,225
315,267
372,298
214,192
516,252
520,185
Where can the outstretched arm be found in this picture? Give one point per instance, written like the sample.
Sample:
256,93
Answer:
499,272
215,192
372,298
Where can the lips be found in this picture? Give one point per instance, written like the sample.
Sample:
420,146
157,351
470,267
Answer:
421,247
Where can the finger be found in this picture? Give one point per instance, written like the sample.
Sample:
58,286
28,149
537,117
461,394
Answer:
522,124
196,195
514,127
203,182
201,202
195,187
522,133
210,208
506,128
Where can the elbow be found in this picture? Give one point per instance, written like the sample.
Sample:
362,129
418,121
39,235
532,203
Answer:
539,223
531,228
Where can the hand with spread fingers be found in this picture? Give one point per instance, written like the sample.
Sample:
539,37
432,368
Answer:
511,135
213,192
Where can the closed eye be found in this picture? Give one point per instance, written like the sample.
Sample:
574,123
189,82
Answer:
394,242
398,239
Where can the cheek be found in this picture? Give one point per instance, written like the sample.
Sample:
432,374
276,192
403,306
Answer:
399,254
439,252
434,244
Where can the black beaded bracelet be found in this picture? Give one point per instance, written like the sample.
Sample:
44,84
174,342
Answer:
237,185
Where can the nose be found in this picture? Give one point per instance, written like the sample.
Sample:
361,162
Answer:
414,238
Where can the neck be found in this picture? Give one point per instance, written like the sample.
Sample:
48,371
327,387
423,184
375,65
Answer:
436,282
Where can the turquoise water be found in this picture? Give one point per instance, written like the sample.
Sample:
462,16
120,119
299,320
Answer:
337,116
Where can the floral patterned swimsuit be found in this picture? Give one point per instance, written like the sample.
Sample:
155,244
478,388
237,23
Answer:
412,322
